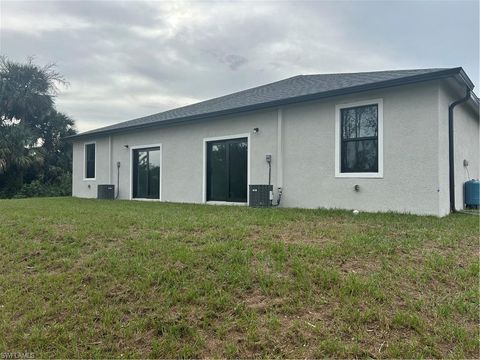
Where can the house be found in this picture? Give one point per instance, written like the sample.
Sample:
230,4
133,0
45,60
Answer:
372,141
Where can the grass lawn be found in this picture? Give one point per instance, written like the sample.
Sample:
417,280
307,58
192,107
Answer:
88,278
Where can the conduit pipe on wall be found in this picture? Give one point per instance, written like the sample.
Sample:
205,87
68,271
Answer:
110,159
279,154
451,152
279,147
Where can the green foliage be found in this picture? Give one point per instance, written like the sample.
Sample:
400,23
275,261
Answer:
15,147
16,157
61,187
34,158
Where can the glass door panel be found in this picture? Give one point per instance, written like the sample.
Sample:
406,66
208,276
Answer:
146,173
217,171
154,174
237,169
227,170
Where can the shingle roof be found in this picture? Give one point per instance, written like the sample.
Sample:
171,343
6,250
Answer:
294,89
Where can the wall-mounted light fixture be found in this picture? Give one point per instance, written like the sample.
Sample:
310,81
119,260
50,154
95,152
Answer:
125,146
255,130
356,188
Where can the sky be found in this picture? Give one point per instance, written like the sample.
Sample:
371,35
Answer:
127,59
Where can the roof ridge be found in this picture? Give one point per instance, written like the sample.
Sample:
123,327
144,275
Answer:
382,71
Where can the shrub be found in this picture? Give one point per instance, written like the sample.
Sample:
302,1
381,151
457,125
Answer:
61,187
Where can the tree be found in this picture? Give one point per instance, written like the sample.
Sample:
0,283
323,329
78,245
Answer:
16,156
57,153
31,130
27,91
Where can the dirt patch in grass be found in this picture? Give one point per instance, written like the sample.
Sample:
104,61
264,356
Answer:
360,266
261,303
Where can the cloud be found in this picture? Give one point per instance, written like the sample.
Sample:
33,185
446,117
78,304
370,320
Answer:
133,58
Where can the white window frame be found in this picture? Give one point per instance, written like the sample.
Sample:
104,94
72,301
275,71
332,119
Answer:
338,162
204,187
85,161
131,171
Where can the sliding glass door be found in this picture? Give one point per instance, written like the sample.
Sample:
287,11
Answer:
227,170
146,173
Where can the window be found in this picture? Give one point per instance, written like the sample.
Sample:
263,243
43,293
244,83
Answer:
359,152
90,161
359,140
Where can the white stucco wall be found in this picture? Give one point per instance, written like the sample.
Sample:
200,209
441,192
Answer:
410,183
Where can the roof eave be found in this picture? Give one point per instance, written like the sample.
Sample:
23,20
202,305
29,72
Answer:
464,77
344,91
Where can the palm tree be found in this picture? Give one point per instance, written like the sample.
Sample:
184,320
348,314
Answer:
27,91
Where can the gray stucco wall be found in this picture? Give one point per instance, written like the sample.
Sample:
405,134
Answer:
466,148
88,188
412,166
410,181
442,134
182,154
